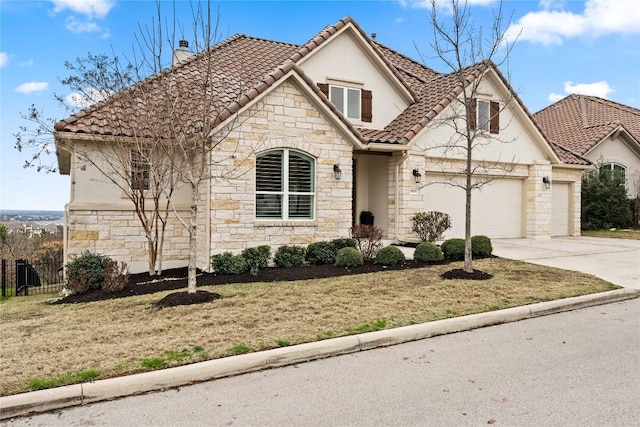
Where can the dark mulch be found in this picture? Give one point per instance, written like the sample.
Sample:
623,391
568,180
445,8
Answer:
459,273
174,279
185,298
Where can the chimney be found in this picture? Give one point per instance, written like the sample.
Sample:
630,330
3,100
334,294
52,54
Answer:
182,53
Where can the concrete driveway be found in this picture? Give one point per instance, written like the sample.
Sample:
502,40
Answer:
614,260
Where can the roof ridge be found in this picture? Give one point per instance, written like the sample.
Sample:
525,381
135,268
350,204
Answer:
405,57
613,104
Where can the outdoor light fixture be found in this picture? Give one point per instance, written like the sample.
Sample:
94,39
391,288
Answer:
337,172
547,182
417,176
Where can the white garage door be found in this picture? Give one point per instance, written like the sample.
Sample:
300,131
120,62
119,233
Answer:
496,209
560,209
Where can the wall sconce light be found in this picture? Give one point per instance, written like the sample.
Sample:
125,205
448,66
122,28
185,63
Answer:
547,182
337,172
417,176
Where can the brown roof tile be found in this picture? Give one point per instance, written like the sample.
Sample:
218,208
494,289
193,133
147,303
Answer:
580,122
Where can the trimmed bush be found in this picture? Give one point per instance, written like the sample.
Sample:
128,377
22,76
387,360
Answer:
349,257
289,256
257,258
321,253
228,263
342,243
453,249
92,271
427,252
389,255
481,246
430,226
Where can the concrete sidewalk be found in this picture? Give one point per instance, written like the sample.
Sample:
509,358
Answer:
614,260
78,394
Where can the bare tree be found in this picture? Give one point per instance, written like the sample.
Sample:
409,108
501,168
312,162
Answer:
469,53
161,123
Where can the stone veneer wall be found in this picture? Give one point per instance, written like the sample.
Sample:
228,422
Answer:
538,202
119,235
284,118
574,177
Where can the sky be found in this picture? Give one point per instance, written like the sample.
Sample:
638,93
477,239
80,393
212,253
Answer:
588,47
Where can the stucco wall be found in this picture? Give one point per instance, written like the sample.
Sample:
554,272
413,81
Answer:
615,150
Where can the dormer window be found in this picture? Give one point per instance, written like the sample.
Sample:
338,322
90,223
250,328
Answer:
353,103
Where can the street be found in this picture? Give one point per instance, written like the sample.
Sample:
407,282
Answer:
577,368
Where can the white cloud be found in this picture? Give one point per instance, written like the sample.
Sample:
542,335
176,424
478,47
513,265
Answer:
32,87
599,89
4,59
78,27
90,8
553,24
87,98
27,63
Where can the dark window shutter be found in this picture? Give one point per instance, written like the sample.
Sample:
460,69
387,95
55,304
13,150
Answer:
366,106
494,124
471,113
324,88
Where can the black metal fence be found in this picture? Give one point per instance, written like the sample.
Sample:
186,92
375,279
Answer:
22,277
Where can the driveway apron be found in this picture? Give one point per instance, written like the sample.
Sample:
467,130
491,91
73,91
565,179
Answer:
614,260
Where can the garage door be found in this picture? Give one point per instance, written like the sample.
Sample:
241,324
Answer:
496,209
560,209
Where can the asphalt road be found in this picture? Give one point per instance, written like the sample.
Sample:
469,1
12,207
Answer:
578,368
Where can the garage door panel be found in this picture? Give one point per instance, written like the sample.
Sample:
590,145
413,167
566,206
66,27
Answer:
496,208
560,209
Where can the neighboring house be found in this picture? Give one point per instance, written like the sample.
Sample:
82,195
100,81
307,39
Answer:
336,126
602,131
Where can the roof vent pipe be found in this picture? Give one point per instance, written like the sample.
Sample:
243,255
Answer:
182,53
373,36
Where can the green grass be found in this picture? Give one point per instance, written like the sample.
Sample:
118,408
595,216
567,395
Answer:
613,234
241,348
367,327
64,379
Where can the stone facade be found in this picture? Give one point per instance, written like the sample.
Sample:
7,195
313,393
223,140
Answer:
285,118
572,176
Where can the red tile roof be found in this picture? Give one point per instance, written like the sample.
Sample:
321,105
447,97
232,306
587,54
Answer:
579,122
245,67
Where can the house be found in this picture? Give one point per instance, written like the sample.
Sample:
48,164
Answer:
602,131
318,133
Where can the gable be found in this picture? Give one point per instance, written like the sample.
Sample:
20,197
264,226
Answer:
348,60
619,148
518,139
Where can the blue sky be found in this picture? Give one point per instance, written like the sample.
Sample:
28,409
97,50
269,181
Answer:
590,47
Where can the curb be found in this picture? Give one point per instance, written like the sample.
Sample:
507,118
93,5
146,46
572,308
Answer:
79,394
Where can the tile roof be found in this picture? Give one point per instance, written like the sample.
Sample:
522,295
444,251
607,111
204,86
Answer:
579,122
245,67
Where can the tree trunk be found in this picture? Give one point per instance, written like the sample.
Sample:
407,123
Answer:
193,249
468,260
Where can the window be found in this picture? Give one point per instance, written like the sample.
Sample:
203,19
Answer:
484,116
140,170
615,169
353,103
285,187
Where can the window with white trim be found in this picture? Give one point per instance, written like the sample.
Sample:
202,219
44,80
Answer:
346,100
285,185
140,170
615,169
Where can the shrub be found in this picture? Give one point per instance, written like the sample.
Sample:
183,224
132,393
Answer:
481,246
389,255
116,276
604,201
368,239
257,258
87,271
342,243
430,226
289,256
321,253
349,257
427,252
228,263
453,249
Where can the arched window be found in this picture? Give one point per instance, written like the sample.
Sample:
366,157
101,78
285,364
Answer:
615,169
285,185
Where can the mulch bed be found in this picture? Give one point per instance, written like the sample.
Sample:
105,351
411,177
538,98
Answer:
176,279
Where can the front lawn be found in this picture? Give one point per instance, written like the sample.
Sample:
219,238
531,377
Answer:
45,345
613,234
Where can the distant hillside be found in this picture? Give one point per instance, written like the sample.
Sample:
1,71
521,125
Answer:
30,215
